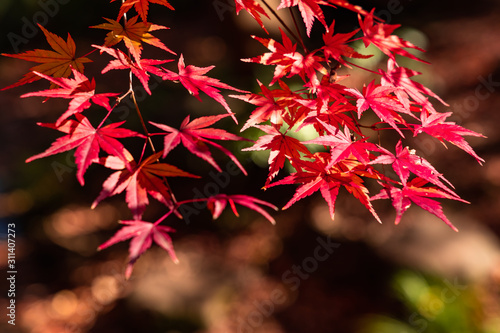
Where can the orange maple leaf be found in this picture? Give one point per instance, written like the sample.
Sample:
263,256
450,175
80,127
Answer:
57,63
132,34
141,6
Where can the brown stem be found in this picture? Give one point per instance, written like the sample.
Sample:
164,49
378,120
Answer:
299,40
146,132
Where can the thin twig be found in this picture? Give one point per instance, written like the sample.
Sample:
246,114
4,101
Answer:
299,40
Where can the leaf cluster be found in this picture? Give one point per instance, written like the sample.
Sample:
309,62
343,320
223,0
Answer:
353,155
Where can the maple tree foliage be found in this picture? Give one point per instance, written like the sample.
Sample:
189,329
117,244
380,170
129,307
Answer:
351,155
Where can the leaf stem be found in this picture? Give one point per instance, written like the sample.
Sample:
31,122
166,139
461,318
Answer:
146,132
299,40
118,100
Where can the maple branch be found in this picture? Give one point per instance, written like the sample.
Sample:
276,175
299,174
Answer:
299,40
146,132
118,101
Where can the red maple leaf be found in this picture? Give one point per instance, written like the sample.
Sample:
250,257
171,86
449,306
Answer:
282,147
380,35
56,63
88,141
288,61
343,146
194,79
314,175
139,181
253,8
217,203
133,34
271,104
399,78
140,69
434,124
384,105
143,234
80,90
413,192
337,114
141,6
406,161
195,136
309,9
336,45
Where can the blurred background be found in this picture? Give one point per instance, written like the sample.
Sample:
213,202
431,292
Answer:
306,273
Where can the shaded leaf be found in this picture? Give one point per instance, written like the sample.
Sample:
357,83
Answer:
56,63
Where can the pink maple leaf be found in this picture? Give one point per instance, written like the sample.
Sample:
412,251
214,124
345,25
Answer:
193,79
138,181
143,234
139,69
434,124
413,192
80,90
217,203
342,145
195,136
406,161
88,141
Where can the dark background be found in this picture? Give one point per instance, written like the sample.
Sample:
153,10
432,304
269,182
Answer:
243,274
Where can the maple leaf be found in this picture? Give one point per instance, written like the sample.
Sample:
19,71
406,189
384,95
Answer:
435,125
80,90
378,98
335,114
138,181
281,146
193,79
141,6
399,78
342,145
140,69
56,63
253,8
194,136
270,105
309,9
132,34
143,234
217,203
406,161
413,192
380,35
288,61
314,175
336,45
88,141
